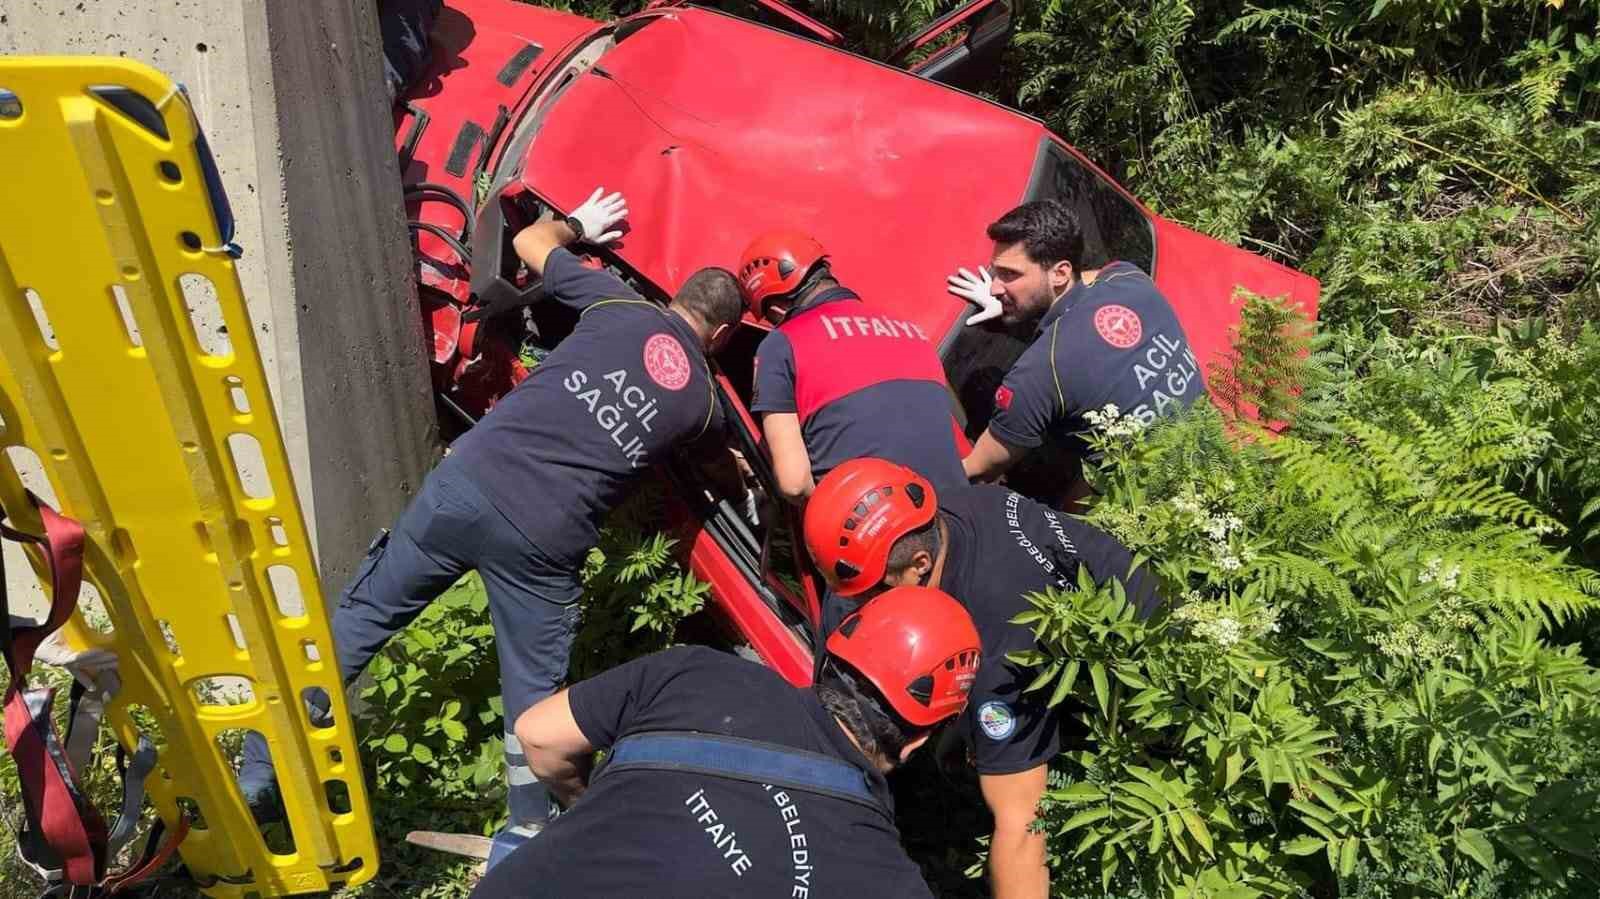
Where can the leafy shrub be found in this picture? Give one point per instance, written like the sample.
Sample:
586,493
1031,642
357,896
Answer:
1357,692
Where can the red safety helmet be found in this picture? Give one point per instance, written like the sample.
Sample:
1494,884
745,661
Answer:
857,513
776,263
917,646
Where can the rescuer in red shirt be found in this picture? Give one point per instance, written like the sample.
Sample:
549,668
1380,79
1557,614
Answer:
837,380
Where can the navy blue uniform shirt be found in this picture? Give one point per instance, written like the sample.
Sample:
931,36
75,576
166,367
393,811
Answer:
668,833
863,384
1003,547
626,387
1115,341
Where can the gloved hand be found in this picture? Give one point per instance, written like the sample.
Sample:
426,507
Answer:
599,213
975,289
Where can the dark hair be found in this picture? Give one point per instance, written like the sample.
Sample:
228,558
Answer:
923,539
712,293
1048,231
864,712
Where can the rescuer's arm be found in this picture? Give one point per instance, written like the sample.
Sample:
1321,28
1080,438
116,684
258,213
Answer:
1017,857
990,457
558,753
791,464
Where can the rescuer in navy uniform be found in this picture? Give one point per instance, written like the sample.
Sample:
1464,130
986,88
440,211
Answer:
872,525
837,380
521,496
726,780
1105,335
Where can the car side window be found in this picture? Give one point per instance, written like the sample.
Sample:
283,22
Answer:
1114,227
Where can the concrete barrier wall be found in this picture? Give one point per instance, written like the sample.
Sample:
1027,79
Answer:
291,95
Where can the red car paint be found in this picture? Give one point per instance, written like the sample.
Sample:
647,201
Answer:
717,129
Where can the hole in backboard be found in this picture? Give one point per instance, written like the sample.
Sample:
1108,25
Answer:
286,590
319,707
191,241
168,637
232,743
41,318
241,400
30,471
10,105
145,721
224,690
338,796
134,105
120,297
250,465
335,756
191,810
92,606
236,631
280,535
312,653
170,172
205,314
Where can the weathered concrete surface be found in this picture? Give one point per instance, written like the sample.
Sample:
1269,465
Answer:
292,99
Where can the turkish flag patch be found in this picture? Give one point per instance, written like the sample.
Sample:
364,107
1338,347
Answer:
1002,397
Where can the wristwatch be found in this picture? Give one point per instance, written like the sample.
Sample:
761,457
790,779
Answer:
576,226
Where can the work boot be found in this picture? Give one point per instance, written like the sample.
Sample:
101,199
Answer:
508,839
258,780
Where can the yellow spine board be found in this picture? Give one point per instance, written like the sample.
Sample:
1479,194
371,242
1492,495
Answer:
192,548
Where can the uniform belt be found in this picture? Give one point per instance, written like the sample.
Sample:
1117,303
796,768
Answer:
747,760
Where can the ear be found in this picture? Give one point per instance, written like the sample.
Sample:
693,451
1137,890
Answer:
1060,276
911,747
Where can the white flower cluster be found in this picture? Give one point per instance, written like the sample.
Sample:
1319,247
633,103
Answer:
1407,640
1452,610
1434,570
1188,503
1217,527
1213,622
1110,421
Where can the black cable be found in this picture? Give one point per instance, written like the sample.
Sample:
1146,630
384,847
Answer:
464,257
433,188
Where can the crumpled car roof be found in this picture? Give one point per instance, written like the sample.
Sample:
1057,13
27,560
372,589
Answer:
716,130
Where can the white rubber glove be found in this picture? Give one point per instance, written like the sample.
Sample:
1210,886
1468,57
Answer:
598,213
975,289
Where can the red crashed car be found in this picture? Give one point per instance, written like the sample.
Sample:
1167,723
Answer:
718,128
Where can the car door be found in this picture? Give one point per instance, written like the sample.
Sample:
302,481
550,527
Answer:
960,48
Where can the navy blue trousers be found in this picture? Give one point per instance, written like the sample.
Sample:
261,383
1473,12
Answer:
449,529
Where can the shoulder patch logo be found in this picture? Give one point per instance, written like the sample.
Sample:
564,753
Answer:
996,719
1002,397
1118,325
666,362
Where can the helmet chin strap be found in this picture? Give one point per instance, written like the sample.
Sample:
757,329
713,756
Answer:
817,273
